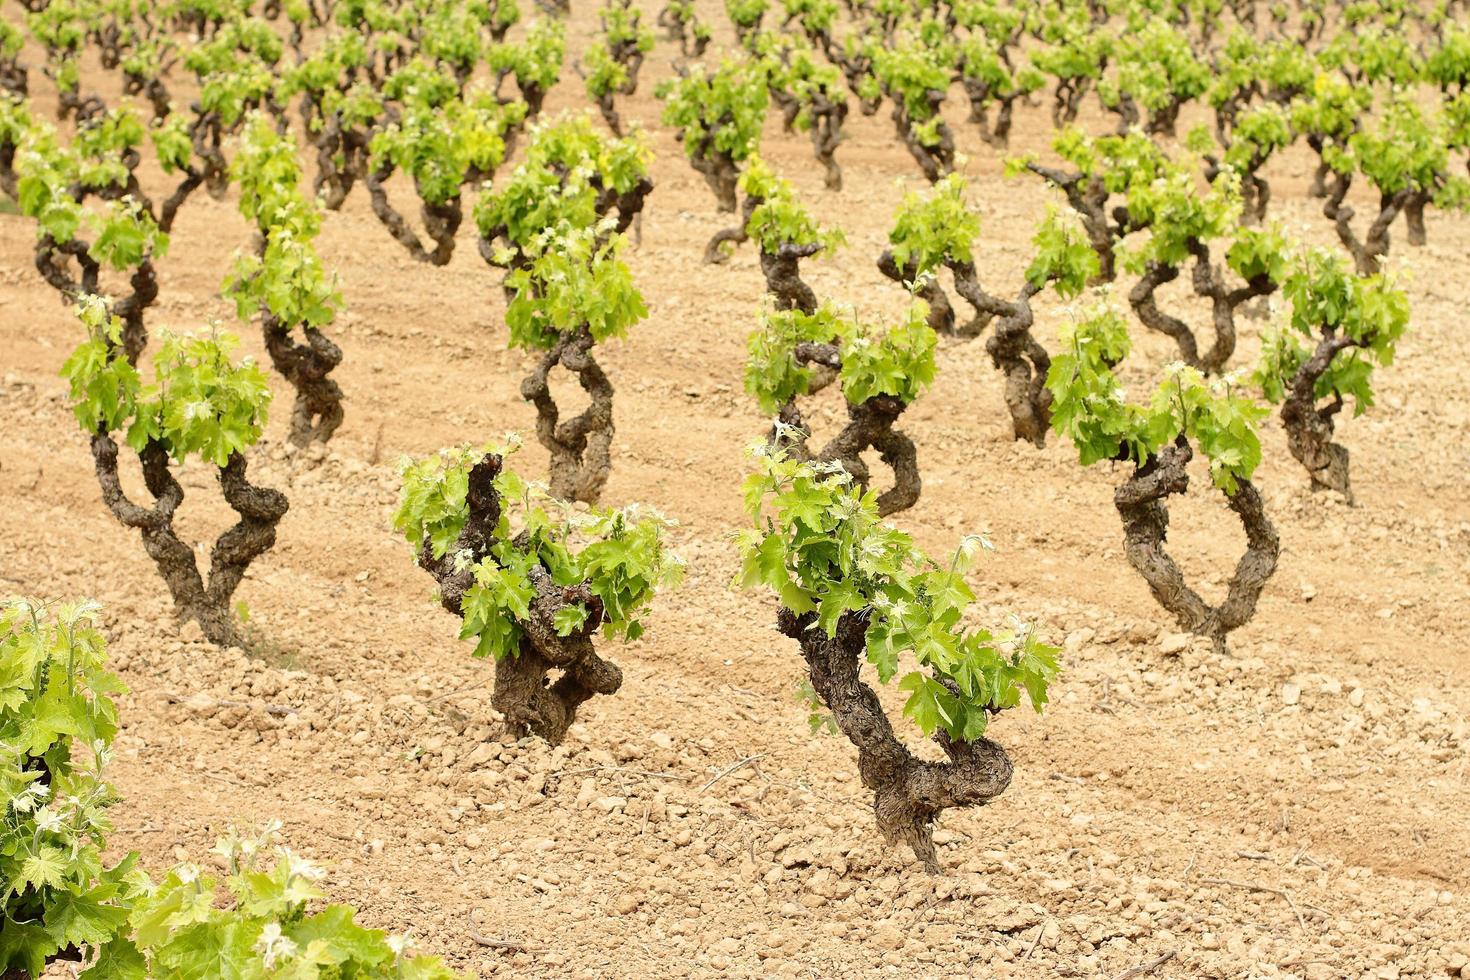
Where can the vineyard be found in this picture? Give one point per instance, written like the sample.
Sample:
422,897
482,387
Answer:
734,487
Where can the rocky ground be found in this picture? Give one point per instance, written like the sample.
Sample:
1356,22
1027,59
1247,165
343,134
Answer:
1295,807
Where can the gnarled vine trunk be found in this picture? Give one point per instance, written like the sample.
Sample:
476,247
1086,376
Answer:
441,221
827,117
1208,283
715,252
936,161
1015,353
1309,429
908,793
206,601
1369,251
941,311
317,412
524,692
783,277
1089,198
580,447
1141,504
870,425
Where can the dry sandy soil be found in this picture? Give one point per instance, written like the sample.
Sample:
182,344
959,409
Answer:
1298,807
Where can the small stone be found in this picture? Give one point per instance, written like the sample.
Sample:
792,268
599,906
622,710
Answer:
626,904
611,804
1174,643
1355,697
1291,693
888,937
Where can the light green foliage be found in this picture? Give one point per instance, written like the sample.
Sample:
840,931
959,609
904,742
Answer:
818,543
1375,54
267,169
15,120
980,60
621,27
898,361
793,67
935,227
200,402
914,74
536,60
1176,213
1259,252
575,281
780,219
1328,300
1156,67
1121,162
442,146
57,723
450,34
259,926
1076,50
1407,150
418,81
122,233
618,554
1330,112
720,111
236,68
567,162
1064,258
746,13
604,74
289,281
1448,65
324,68
1258,134
1090,409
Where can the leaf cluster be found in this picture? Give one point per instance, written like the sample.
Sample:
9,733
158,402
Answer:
619,555
1090,407
201,402
817,542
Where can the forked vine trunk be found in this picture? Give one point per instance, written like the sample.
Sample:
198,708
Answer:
870,425
1141,503
941,311
580,447
317,412
908,793
524,693
1309,429
206,601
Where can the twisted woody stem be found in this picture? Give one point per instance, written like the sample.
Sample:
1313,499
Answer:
523,692
1141,503
716,166
441,221
1369,251
260,509
1088,197
941,311
580,447
870,425
715,252
783,276
908,793
317,413
1015,352
1309,429
936,161
1208,283
827,116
